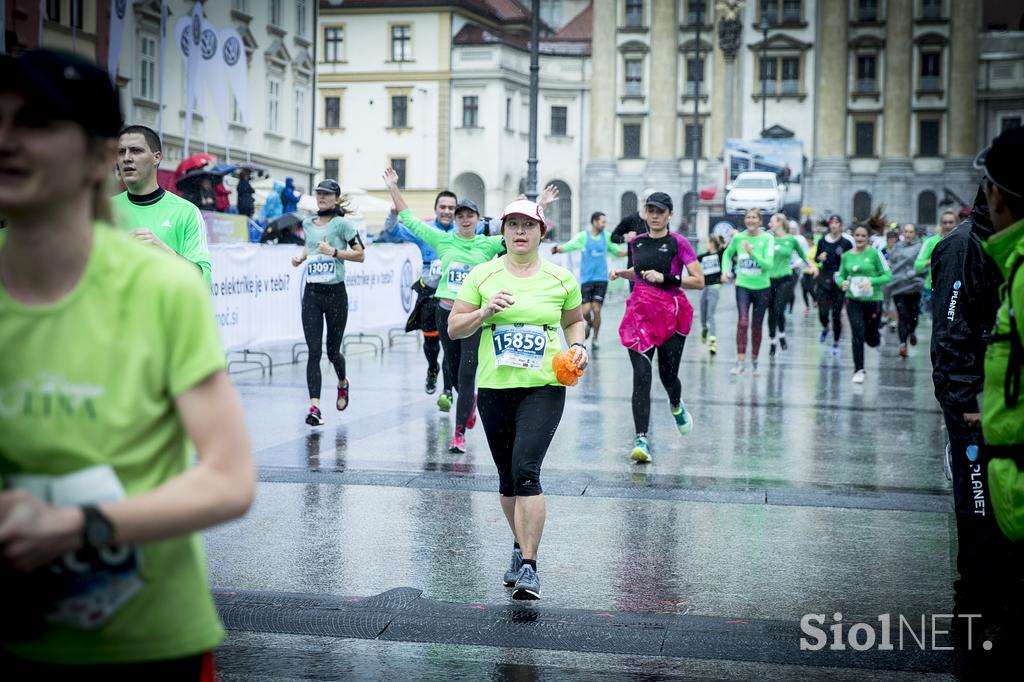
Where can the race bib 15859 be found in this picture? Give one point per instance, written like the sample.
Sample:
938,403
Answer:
519,345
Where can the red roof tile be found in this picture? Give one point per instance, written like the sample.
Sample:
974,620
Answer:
580,28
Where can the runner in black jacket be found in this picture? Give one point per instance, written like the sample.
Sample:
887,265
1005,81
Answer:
965,297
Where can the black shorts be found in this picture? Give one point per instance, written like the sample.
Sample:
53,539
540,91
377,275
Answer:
594,292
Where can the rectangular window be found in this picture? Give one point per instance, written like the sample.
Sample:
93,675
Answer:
867,10
332,112
275,12
867,72
399,111
508,113
147,67
790,75
559,121
694,140
273,103
401,43
864,135
931,9
334,39
53,10
300,17
931,66
694,77
634,13
696,12
770,11
631,140
240,5
791,13
236,111
76,13
634,77
399,166
929,138
470,106
299,127
769,76
331,169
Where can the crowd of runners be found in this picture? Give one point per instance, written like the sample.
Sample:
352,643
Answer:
495,316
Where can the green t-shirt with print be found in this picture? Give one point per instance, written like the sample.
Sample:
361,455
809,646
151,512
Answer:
458,255
751,269
322,268
176,222
784,248
867,272
136,332
518,343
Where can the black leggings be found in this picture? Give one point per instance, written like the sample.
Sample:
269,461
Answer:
864,319
519,424
830,300
324,302
781,294
460,360
807,288
670,354
745,298
907,307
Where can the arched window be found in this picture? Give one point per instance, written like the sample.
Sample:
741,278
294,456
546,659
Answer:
561,213
861,207
926,208
627,204
471,186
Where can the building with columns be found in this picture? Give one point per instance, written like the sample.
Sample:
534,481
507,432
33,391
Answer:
883,94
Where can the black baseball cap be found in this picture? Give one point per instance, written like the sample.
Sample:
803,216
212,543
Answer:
467,203
835,216
1001,160
659,200
65,86
328,185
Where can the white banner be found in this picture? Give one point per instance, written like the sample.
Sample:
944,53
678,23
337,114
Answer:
118,9
257,294
235,69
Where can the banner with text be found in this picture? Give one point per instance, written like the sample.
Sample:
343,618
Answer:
257,294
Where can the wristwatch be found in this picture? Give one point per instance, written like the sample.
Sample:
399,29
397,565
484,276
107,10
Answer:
97,531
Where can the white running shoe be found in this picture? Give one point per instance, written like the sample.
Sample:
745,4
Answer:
858,376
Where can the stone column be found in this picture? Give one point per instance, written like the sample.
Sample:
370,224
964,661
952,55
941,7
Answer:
599,175
826,185
963,68
662,170
896,169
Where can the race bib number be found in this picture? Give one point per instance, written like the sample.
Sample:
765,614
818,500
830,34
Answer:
434,272
84,588
861,287
321,270
748,266
519,345
710,265
457,273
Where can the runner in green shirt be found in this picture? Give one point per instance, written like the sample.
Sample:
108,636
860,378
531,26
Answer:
781,276
519,301
754,251
459,252
118,449
923,262
150,213
862,272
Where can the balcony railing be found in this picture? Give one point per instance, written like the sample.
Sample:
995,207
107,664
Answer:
694,88
791,87
695,19
867,85
634,89
930,83
634,20
771,87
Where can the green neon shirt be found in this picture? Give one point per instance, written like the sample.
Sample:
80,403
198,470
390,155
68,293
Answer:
176,222
784,248
751,270
867,264
458,255
539,301
921,263
143,333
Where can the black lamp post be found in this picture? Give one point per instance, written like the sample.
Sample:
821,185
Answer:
764,26
696,139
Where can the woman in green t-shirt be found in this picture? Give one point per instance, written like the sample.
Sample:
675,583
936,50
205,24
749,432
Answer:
519,301
126,442
782,282
754,252
862,272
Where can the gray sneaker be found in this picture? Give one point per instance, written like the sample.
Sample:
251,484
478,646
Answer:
513,568
527,584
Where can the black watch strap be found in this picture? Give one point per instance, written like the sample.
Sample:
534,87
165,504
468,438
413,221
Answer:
97,530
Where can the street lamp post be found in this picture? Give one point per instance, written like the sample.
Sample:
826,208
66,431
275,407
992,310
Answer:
764,26
695,142
531,159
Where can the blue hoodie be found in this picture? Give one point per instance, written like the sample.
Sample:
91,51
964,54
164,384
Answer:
289,198
272,208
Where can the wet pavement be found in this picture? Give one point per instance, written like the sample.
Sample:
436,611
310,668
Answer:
373,553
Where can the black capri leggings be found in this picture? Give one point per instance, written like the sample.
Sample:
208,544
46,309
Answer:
460,361
324,302
781,295
864,319
519,424
830,302
670,354
907,306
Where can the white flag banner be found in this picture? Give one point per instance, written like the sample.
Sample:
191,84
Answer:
235,68
188,32
212,73
118,10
